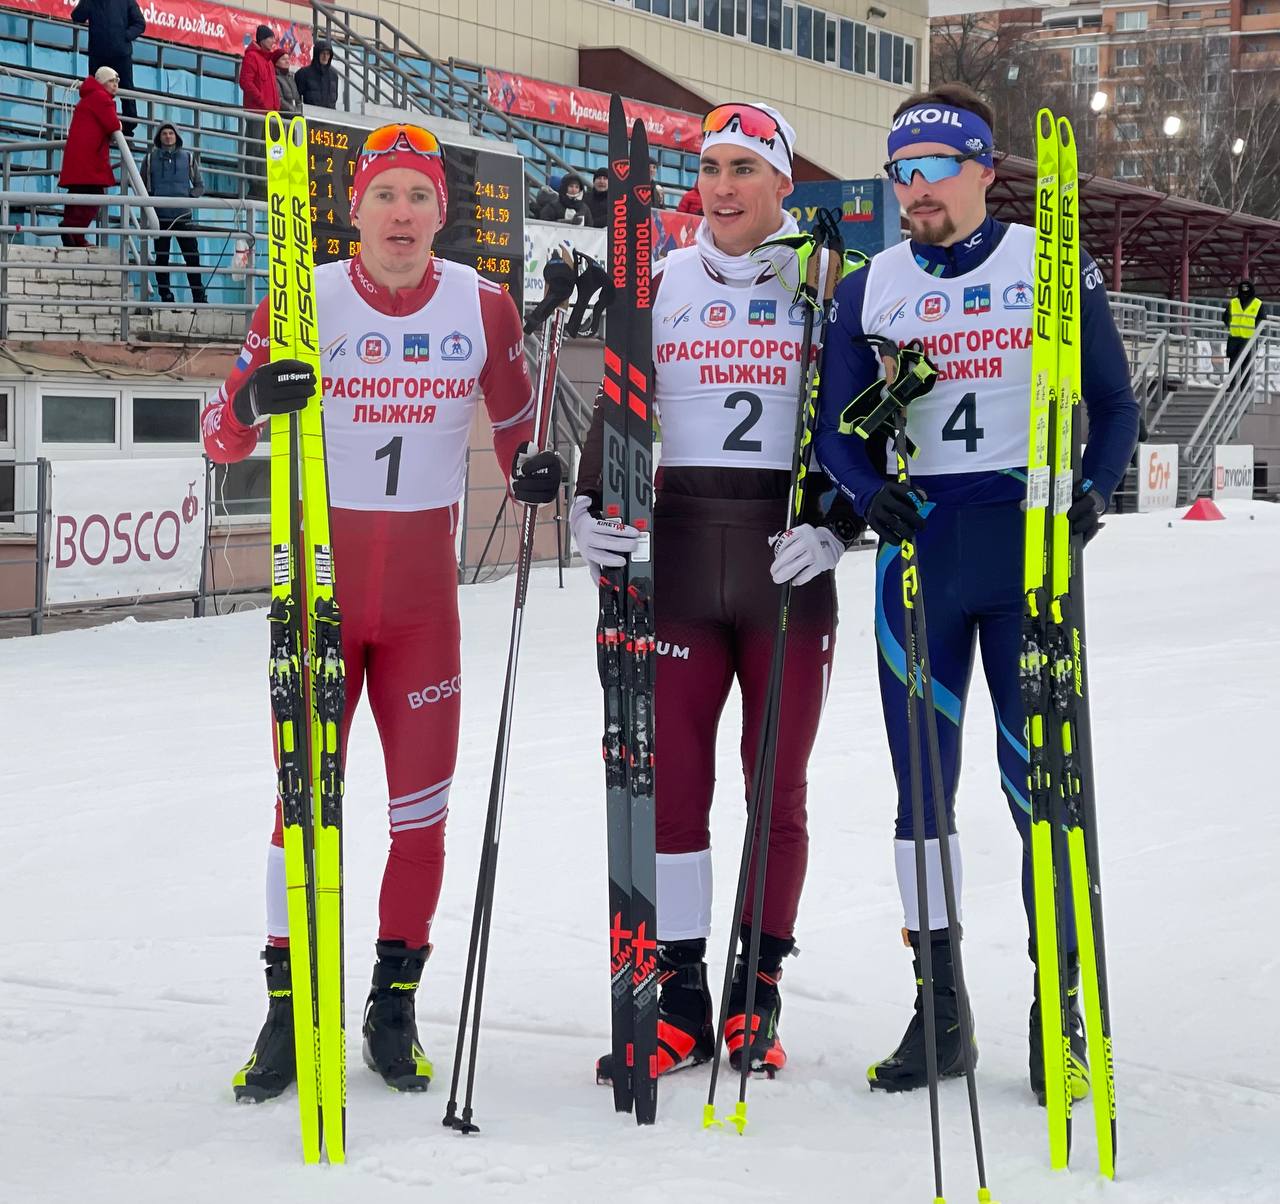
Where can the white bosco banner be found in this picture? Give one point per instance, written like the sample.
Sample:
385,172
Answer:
125,529
1157,476
1233,471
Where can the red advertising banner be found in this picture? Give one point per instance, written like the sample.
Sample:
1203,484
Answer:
194,23
585,109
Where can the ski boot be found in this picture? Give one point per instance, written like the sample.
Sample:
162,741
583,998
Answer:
272,1066
391,1045
905,1068
685,1033
766,1054
1078,1064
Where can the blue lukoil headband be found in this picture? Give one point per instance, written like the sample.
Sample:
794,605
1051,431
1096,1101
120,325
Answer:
959,129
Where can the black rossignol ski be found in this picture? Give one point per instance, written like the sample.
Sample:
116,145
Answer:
624,636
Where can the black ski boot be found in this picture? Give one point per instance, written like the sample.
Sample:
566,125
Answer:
1078,1067
766,1052
686,1036
272,1066
905,1069
391,1046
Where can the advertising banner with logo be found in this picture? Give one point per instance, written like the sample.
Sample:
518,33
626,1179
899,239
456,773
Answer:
125,529
1233,470
672,231
586,109
868,209
1157,476
195,23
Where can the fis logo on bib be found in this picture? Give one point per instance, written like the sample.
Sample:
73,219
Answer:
762,312
977,299
373,347
335,349
933,307
456,346
677,317
1018,295
417,348
716,314
892,312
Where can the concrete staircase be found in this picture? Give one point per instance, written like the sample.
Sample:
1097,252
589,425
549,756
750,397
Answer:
49,293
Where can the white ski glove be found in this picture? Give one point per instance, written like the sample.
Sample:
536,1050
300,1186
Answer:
803,552
600,541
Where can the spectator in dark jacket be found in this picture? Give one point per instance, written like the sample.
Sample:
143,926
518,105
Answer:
258,71
114,26
318,81
598,198
171,170
290,99
86,163
569,204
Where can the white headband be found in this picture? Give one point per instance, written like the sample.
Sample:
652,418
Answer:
778,154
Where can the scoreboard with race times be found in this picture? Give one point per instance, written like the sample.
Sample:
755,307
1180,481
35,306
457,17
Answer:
486,205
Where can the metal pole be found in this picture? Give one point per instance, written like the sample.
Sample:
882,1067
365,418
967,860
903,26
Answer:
42,543
203,597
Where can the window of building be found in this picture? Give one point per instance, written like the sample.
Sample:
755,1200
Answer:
1169,54
804,31
166,419
1128,19
908,62
6,420
1085,56
67,418
1126,131
760,22
1213,82
242,489
1128,169
1194,15
1128,94
1128,56
8,490
1216,47
846,45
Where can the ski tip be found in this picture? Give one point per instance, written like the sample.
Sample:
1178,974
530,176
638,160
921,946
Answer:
1045,123
1066,135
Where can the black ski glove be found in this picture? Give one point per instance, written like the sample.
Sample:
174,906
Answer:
1085,515
896,512
535,475
282,387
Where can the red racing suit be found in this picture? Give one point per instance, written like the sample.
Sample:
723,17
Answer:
401,374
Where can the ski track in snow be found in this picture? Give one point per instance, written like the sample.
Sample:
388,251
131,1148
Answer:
136,780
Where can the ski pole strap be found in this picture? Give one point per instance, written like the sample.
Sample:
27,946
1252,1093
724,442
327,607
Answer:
595,293
882,405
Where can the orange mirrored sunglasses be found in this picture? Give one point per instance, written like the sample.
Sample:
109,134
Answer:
753,122
400,136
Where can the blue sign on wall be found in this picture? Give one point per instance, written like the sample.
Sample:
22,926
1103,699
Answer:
869,215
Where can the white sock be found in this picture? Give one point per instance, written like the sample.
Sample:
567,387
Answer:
904,856
684,895
277,896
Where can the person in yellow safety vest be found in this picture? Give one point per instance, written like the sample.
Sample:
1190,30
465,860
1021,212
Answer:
1241,317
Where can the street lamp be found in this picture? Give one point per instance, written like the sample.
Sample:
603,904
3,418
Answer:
1237,147
1172,126
1099,101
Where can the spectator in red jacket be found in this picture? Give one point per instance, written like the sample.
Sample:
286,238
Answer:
258,71
691,202
86,163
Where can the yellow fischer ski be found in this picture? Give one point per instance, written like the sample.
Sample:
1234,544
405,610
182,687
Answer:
306,634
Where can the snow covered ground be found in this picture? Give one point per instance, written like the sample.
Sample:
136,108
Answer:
135,786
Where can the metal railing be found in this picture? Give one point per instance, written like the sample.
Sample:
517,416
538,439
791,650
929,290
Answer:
386,67
39,558
1247,382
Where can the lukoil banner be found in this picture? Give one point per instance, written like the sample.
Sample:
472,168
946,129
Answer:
125,529
1157,476
1233,470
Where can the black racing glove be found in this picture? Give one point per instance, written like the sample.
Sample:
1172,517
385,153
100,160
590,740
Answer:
895,512
281,387
535,475
1085,515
